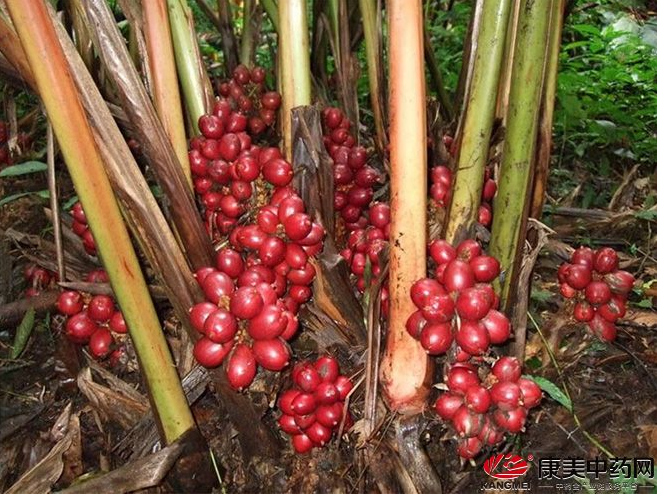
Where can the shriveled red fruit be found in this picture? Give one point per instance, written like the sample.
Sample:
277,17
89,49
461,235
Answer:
302,443
507,369
498,326
100,342
473,304
512,421
578,276
241,367
477,399
531,393
605,260
490,434
210,354
329,415
268,324
307,377
597,293
70,302
220,326
469,447
460,379
602,328
199,313
567,291
101,308
467,423
344,386
423,289
288,425
485,268
447,404
117,323
583,311
506,395
272,354
613,310
436,338
328,368
441,251
458,276
217,284
473,337
620,282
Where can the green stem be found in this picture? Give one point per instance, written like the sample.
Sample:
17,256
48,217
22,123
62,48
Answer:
247,48
271,9
436,76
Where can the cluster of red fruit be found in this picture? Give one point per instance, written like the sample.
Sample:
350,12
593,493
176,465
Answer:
601,289
314,407
37,279
92,321
255,107
441,192
354,180
364,246
81,228
255,290
459,304
482,411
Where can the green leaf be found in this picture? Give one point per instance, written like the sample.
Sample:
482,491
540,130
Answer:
70,202
44,193
23,333
24,168
552,390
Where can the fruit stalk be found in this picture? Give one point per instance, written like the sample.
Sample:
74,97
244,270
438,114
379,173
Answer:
513,195
294,62
478,121
373,50
194,80
228,41
547,110
58,92
162,62
247,47
405,369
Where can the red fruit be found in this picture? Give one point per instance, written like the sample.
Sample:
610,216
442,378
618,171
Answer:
304,404
506,395
468,249
423,290
292,321
211,149
199,313
272,251
278,172
578,276
507,369
332,117
241,367
319,434
466,423
285,401
441,174
469,447
101,342
312,243
583,311
436,338
210,354
342,175
271,100
329,415
305,421
220,326
473,337
490,187
473,304
460,379
272,354
117,323
498,326
101,308
268,324
511,421
415,324
379,214
219,171
485,268
79,228
441,251
484,215
300,294
477,399
202,185
256,125
302,443
295,256
217,284
230,262
597,293
567,291
447,404
237,123
211,126
303,276
306,377
80,327
531,393
344,386
326,394
328,368
297,226
489,434
563,270
620,282
613,310
229,147
605,260
357,157
458,276
367,177
230,206
288,425
247,168
251,236
78,213
602,328
289,206
582,256
359,196
70,302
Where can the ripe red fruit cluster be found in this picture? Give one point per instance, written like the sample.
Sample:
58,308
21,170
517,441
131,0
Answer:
593,278
81,228
354,180
482,411
93,321
37,279
313,408
441,192
364,246
462,288
254,107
